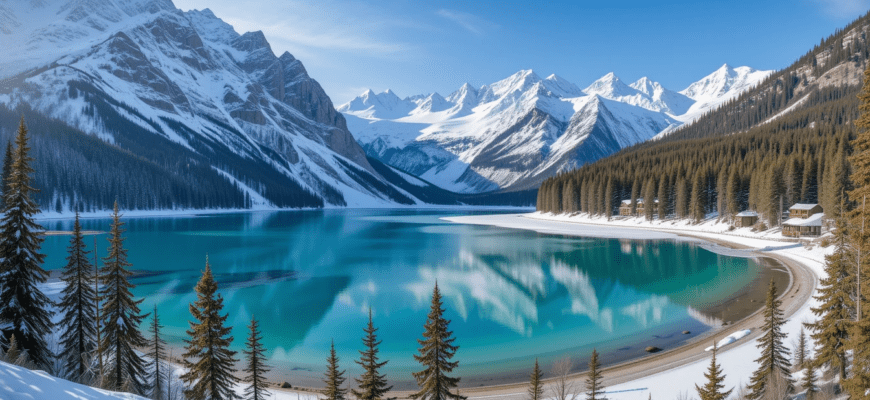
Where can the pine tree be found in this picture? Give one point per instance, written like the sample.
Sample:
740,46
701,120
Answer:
713,389
836,307
334,377
536,383
121,317
23,305
594,385
372,384
78,326
800,356
157,352
256,367
436,350
208,359
732,193
649,194
8,158
698,203
774,358
608,199
859,334
809,382
664,198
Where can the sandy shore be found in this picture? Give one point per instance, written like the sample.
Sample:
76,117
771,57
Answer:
803,281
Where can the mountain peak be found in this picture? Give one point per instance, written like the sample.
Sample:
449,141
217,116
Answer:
609,86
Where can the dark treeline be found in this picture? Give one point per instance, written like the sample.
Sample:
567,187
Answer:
78,171
743,155
800,157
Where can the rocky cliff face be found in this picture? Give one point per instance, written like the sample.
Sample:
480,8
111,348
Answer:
190,78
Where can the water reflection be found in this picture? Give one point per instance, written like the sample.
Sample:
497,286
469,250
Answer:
311,277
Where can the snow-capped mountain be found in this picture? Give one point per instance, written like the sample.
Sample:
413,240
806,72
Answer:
191,79
516,132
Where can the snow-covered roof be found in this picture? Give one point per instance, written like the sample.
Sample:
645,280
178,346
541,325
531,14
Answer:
813,220
626,202
801,206
747,214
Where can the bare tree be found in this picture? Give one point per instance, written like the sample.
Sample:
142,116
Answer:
778,387
562,387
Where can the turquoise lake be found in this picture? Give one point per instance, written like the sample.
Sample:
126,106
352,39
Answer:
310,277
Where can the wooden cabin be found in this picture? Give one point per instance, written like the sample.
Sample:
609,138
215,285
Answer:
641,206
799,227
746,219
800,210
625,208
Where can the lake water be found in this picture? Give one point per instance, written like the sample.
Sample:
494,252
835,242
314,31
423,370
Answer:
311,277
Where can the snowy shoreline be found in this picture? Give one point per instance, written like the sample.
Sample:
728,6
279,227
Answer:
670,377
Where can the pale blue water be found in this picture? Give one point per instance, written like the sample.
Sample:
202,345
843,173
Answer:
311,276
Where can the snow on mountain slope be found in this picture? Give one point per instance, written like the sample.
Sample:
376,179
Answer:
516,132
191,78
24,384
722,85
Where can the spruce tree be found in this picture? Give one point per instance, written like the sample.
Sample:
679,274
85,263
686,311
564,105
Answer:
698,203
732,195
649,194
157,352
810,378
664,198
208,359
78,336
256,367
8,158
121,317
334,377
436,351
23,305
836,307
712,390
774,358
800,356
373,385
536,383
859,334
594,384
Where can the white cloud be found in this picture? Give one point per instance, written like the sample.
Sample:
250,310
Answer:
470,22
843,8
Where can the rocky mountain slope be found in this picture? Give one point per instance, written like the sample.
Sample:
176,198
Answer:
515,133
146,77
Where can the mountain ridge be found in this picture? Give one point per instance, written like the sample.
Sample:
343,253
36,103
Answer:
463,146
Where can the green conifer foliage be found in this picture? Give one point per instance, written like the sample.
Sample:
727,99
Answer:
810,378
372,384
536,383
208,359
334,377
436,351
859,334
255,368
774,358
800,356
121,317
23,305
594,385
78,336
836,307
8,158
157,352
713,389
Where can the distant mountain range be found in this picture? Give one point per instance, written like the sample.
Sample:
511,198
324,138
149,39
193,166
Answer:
513,134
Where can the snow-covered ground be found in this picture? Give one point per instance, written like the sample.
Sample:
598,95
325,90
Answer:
738,357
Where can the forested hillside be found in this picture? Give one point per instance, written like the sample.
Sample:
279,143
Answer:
785,141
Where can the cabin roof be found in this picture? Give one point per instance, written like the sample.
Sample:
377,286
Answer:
814,220
803,206
747,213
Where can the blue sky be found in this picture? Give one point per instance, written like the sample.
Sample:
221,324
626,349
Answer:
417,47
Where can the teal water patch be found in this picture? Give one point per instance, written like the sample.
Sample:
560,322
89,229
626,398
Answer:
310,277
